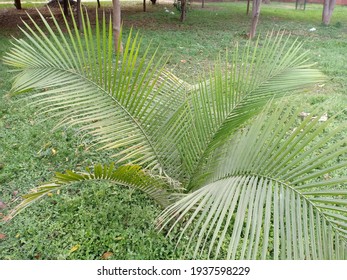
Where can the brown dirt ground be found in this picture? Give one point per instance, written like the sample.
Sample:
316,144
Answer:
10,18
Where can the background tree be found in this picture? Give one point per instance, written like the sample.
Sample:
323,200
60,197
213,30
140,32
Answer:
183,10
65,6
18,4
255,17
79,15
116,12
328,8
247,9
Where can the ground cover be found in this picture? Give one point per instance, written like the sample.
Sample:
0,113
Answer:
85,223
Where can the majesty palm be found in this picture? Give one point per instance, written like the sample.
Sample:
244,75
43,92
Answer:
238,170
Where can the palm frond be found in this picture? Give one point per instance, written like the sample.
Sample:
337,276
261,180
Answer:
132,176
266,196
223,103
123,100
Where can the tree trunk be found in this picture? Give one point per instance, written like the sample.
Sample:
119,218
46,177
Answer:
328,8
18,4
203,4
153,2
255,17
99,4
79,17
66,11
116,23
247,12
144,5
183,10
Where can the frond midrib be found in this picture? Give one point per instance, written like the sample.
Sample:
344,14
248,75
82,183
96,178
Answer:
100,88
121,183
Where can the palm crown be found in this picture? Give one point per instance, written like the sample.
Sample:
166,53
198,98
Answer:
242,189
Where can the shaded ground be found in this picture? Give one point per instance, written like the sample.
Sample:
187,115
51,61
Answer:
10,18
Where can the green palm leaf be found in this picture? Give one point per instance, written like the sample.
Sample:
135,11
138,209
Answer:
124,100
220,105
266,196
132,176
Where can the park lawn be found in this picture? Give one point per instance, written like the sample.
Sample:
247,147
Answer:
85,222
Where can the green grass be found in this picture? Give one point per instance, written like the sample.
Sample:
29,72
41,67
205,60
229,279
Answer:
101,218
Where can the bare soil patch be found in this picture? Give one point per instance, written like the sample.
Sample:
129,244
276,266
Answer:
11,18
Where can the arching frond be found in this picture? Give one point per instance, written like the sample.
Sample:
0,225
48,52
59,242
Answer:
131,176
123,100
220,105
266,195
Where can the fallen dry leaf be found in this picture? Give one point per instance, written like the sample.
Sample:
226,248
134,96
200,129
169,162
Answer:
106,255
304,114
323,118
6,218
75,248
2,205
184,61
2,236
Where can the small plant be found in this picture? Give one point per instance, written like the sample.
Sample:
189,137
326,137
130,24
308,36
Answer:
241,172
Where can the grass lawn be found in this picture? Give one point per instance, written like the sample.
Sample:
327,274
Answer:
86,221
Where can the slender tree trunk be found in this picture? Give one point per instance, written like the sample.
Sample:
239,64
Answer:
99,4
18,4
328,8
153,2
116,23
183,10
203,4
144,5
247,12
79,16
66,11
255,17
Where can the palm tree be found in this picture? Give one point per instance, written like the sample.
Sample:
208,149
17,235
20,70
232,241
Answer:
236,168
